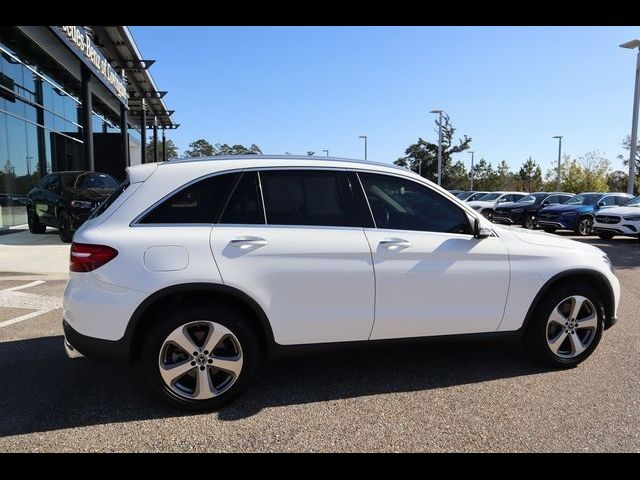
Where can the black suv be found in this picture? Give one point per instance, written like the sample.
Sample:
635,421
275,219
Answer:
64,200
525,211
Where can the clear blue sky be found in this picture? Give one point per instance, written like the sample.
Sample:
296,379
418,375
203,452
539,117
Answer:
294,89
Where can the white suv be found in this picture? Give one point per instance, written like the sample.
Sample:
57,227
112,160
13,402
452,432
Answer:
200,268
623,220
487,204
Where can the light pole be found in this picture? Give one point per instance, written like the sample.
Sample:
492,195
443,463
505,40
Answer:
471,171
439,112
365,146
559,137
634,121
326,151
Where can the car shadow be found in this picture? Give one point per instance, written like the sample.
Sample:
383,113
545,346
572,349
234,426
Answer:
45,391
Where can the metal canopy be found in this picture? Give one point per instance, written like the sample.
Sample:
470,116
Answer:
117,43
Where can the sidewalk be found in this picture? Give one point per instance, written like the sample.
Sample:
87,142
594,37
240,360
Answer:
24,252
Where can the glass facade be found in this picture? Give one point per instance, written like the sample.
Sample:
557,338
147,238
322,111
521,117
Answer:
40,131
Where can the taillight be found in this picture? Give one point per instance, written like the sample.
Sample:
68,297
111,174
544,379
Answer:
85,257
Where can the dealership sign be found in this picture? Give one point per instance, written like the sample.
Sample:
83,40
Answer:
78,40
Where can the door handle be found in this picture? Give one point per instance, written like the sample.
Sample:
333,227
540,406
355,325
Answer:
395,243
248,242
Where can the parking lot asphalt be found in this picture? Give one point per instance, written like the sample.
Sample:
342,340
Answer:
461,395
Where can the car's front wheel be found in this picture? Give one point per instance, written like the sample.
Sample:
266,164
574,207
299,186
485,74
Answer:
34,222
584,226
201,357
488,214
566,326
605,235
64,227
530,221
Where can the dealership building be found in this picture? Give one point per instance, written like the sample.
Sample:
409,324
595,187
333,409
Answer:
74,98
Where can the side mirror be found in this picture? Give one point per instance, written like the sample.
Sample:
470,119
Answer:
479,231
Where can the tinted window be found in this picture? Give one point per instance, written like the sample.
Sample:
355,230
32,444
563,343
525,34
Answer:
621,200
552,199
198,203
564,198
94,180
307,197
244,205
401,204
44,183
608,200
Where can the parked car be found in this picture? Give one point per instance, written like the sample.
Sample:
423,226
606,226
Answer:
474,196
577,213
456,192
200,269
525,211
624,220
64,200
465,195
486,204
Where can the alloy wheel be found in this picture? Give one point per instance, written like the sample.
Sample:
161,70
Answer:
584,226
530,222
572,326
200,360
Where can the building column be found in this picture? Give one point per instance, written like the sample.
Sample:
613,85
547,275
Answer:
87,111
42,151
164,146
143,132
124,135
155,139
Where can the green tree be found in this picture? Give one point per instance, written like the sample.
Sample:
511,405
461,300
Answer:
456,176
225,149
595,168
617,181
504,176
200,148
423,155
484,176
172,150
626,144
531,175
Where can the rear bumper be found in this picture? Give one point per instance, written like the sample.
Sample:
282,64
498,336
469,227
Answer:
78,345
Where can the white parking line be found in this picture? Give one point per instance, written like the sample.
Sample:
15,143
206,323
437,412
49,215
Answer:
6,323
20,287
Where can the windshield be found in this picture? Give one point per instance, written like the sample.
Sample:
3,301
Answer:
634,202
535,198
489,197
464,195
476,196
584,199
88,180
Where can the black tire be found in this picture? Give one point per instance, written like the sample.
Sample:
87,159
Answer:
64,227
530,221
550,229
228,317
536,333
34,223
606,235
584,226
488,214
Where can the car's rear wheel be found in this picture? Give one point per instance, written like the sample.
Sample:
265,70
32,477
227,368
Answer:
606,235
550,229
64,227
584,226
201,357
566,326
530,221
34,223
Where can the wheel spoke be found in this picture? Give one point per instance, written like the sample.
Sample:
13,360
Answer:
577,305
181,338
590,322
557,317
554,344
171,373
231,365
215,335
576,344
204,387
